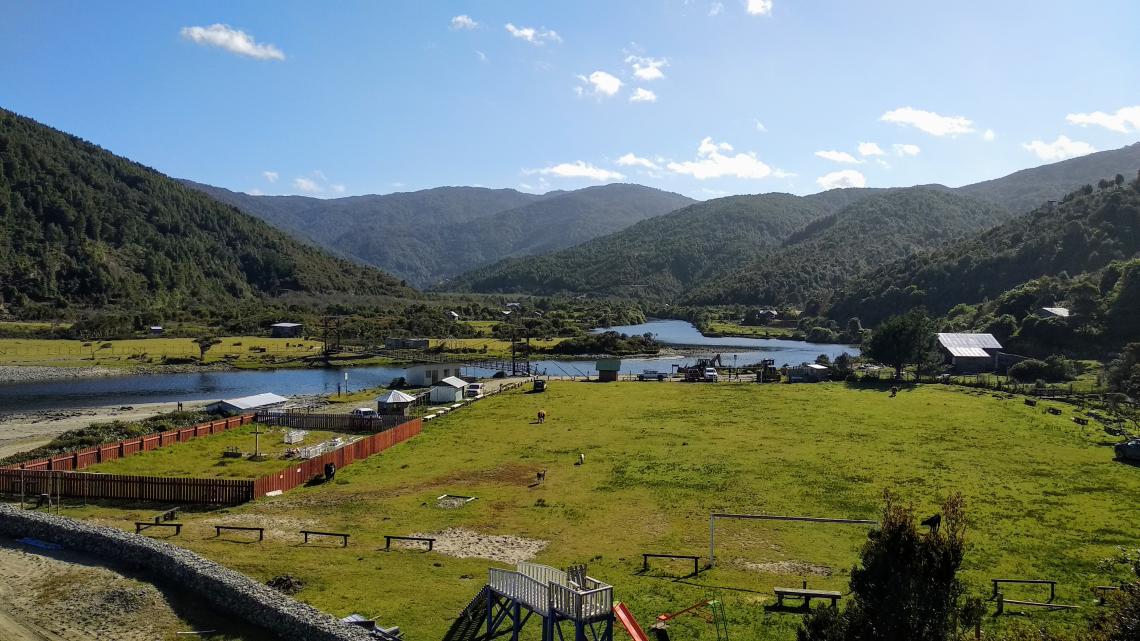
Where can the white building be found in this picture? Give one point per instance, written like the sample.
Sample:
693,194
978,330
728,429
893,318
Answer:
448,390
427,374
247,404
969,353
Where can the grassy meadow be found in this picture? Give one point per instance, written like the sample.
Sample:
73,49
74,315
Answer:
238,350
1045,498
202,457
725,328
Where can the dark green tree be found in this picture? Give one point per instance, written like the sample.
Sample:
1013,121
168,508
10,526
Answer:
205,343
905,587
902,340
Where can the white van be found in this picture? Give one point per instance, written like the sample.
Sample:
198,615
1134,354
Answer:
474,390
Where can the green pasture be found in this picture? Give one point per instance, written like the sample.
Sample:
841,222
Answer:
239,350
1045,498
203,457
750,331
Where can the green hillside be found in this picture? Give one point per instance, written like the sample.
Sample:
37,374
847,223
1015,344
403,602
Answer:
430,235
822,257
81,227
661,257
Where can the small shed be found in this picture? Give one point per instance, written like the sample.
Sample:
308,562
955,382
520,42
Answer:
406,343
448,390
969,352
608,369
285,330
808,373
155,330
454,316
247,404
394,403
1054,312
428,374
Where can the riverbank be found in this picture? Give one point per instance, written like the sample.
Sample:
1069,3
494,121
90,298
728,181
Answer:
22,431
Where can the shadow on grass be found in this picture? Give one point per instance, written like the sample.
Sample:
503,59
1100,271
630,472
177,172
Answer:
880,385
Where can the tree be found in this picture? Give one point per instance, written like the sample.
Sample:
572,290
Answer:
1121,622
905,587
1124,371
902,340
205,343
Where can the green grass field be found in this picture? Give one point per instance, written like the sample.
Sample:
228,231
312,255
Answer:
240,350
202,457
750,331
1045,498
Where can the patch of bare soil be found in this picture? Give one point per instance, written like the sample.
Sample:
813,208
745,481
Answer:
279,527
465,544
46,598
796,568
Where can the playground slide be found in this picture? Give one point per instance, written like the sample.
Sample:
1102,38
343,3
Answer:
628,622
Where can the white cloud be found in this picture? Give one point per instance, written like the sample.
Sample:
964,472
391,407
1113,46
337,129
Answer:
1124,120
320,174
647,68
232,40
536,37
643,95
780,173
482,56
837,156
760,127
463,22
759,7
1059,149
712,163
630,160
307,185
882,163
271,176
602,83
906,150
255,192
929,122
838,179
339,189
870,149
715,9
577,169
989,135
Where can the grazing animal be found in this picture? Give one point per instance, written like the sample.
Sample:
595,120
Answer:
541,416
540,477
581,459
894,391
933,523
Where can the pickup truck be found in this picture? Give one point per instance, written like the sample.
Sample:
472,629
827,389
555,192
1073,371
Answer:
710,375
652,375
474,390
364,412
1129,450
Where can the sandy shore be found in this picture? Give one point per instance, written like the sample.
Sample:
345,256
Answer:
26,430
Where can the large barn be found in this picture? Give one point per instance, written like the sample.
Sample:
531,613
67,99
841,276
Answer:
969,353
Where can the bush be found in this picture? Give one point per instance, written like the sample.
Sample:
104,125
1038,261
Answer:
1054,369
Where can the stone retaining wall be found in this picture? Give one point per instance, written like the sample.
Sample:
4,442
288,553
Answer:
225,589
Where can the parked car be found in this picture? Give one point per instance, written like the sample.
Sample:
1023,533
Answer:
710,375
652,375
1128,450
365,412
474,390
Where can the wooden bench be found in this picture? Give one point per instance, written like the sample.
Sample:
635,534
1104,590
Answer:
1102,592
144,525
807,595
1031,402
1002,601
343,536
696,560
1080,421
260,530
1052,586
389,537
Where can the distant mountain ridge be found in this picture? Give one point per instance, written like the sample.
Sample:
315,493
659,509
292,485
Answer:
790,248
82,227
430,235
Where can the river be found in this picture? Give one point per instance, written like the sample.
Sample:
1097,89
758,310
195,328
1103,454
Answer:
145,388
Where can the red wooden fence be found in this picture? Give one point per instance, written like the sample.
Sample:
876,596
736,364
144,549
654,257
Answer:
61,480
80,459
291,477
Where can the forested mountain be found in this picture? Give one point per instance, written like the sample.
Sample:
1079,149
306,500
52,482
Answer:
1024,190
427,236
825,255
661,257
82,227
1084,234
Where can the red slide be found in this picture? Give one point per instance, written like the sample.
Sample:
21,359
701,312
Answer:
628,622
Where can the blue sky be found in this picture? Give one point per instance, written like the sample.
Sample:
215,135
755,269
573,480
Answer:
700,97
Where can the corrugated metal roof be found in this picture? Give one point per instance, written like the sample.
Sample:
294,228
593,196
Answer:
255,401
967,352
1063,312
458,383
983,341
285,325
395,396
